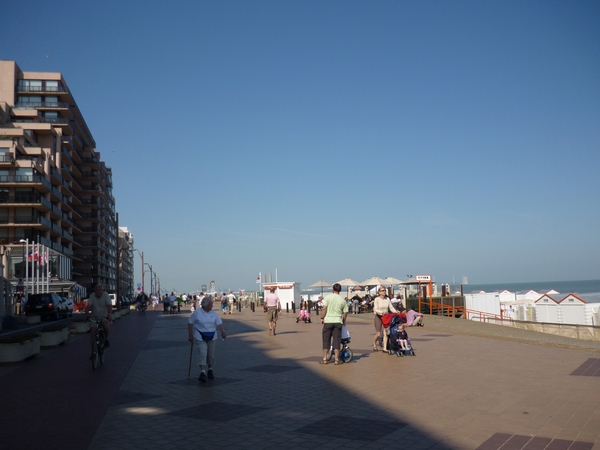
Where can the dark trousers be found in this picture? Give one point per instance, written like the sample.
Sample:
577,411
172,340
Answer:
332,330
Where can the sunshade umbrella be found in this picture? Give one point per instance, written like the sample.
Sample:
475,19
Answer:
375,281
348,282
393,280
321,284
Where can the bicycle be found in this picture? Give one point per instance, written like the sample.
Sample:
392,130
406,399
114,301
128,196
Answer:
98,356
346,353
142,308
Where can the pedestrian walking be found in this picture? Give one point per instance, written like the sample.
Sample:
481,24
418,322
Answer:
272,308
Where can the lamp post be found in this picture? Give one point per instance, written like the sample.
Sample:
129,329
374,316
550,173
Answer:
151,285
141,256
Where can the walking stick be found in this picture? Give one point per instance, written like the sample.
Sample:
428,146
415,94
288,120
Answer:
191,352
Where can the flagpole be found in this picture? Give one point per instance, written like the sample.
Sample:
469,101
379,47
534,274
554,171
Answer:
48,268
43,287
37,269
33,271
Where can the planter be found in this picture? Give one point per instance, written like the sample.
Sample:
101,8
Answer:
80,326
53,338
19,351
34,319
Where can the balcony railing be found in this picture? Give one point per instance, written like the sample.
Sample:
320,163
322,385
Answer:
7,157
25,179
56,120
42,89
52,105
22,198
30,219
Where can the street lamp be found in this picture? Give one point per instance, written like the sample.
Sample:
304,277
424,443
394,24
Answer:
141,256
151,285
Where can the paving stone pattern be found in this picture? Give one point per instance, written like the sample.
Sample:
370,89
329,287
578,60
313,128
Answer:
470,387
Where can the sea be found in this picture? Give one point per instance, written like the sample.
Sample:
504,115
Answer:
563,287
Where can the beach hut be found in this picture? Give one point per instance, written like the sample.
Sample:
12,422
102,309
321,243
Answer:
572,310
546,309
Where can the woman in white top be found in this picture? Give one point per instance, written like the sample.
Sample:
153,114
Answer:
381,306
202,331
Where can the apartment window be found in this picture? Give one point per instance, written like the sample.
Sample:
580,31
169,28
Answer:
4,174
4,195
51,101
30,85
51,116
26,195
29,99
25,215
31,134
3,233
25,233
52,86
3,215
24,174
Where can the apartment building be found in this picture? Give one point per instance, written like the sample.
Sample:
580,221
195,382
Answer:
126,264
55,191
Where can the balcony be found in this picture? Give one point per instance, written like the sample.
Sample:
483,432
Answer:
56,176
33,200
68,235
41,89
7,158
69,141
31,180
33,221
42,105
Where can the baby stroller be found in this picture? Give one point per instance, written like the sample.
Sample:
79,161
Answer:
345,352
393,345
304,316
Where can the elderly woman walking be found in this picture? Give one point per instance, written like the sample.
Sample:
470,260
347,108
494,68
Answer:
381,306
202,331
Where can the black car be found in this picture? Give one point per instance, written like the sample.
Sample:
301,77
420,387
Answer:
47,305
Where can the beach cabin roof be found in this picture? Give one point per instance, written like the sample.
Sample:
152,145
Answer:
530,291
546,299
593,297
550,292
477,292
572,299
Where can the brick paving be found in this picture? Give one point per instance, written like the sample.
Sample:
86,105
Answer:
463,390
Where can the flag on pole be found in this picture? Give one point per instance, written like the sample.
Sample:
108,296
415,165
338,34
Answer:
33,254
258,279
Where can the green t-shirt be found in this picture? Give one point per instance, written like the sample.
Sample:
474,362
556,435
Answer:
336,307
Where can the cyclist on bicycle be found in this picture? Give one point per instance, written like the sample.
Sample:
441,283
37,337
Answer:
100,306
142,301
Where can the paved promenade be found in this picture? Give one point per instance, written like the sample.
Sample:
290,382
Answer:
461,391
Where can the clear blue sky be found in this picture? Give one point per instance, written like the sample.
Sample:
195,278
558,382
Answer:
338,139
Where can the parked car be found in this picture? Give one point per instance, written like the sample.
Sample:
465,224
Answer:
70,306
46,305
